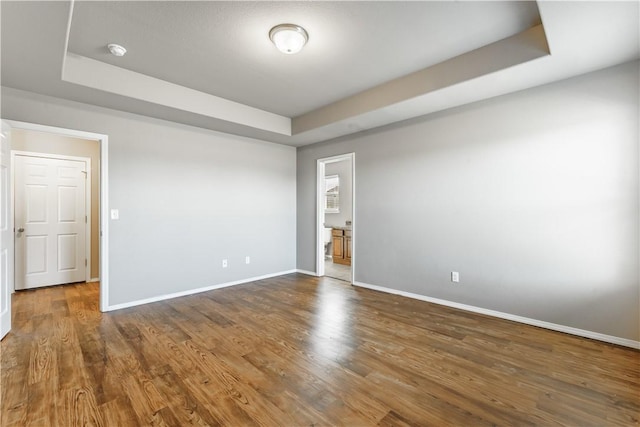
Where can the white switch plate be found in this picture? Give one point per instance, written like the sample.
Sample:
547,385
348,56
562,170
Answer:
455,276
115,214
247,260
224,263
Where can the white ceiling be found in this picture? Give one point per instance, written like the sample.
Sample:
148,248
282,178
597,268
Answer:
211,64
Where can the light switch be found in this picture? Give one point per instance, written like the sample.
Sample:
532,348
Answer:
115,214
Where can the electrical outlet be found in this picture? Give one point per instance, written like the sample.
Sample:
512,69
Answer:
224,263
455,276
247,260
115,214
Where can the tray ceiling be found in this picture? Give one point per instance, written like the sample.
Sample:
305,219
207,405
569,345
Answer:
367,64
223,48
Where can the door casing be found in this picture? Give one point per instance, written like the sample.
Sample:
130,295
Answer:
103,141
320,168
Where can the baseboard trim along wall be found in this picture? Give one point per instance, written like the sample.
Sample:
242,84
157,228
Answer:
93,280
542,324
194,291
307,272
520,319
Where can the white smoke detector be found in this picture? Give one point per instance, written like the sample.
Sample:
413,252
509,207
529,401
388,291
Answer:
116,49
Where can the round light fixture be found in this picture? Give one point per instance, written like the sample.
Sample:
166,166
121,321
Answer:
289,38
116,49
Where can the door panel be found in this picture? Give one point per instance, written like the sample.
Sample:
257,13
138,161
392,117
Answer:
67,204
6,232
36,261
36,204
50,207
67,250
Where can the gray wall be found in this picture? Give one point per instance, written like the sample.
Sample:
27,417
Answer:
187,198
532,197
343,170
41,142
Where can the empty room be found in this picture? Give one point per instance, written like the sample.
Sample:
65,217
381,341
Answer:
320,213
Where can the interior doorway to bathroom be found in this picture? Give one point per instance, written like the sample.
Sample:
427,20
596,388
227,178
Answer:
335,225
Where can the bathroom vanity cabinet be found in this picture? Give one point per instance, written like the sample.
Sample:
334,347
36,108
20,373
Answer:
341,240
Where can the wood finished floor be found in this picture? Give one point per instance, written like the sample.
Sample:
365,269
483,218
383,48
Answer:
300,351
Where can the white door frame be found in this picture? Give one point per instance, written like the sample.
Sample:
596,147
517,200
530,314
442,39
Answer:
87,202
103,141
6,267
321,163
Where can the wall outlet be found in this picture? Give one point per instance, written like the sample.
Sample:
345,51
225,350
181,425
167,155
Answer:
247,260
455,276
115,214
224,263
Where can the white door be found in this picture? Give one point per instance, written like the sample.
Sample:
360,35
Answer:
50,221
6,232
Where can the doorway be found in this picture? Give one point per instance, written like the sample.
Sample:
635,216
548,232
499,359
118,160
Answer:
335,228
52,217
98,263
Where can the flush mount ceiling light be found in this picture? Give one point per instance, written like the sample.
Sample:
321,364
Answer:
116,49
288,38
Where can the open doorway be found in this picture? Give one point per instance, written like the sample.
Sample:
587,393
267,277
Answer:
335,226
51,144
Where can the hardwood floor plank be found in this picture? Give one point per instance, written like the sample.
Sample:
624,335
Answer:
41,405
14,394
392,419
69,356
187,408
293,391
138,387
297,350
118,412
219,404
245,397
80,408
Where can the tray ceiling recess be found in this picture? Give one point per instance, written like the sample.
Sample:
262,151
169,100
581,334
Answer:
365,64
167,41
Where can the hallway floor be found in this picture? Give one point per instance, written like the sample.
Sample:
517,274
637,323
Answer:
337,271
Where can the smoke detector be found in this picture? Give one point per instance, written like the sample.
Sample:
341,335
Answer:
116,49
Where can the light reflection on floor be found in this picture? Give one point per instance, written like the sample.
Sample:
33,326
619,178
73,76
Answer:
332,335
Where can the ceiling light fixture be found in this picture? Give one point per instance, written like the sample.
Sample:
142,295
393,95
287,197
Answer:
116,49
289,38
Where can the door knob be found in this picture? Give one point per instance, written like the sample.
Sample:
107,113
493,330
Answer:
20,230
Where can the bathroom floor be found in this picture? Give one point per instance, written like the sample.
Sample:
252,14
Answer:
337,271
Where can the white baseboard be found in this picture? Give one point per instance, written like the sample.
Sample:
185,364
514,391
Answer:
193,291
93,279
307,272
540,323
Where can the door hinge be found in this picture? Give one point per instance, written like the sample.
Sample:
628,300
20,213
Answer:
85,262
85,219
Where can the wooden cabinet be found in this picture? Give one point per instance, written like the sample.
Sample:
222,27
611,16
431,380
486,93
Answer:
338,245
341,246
